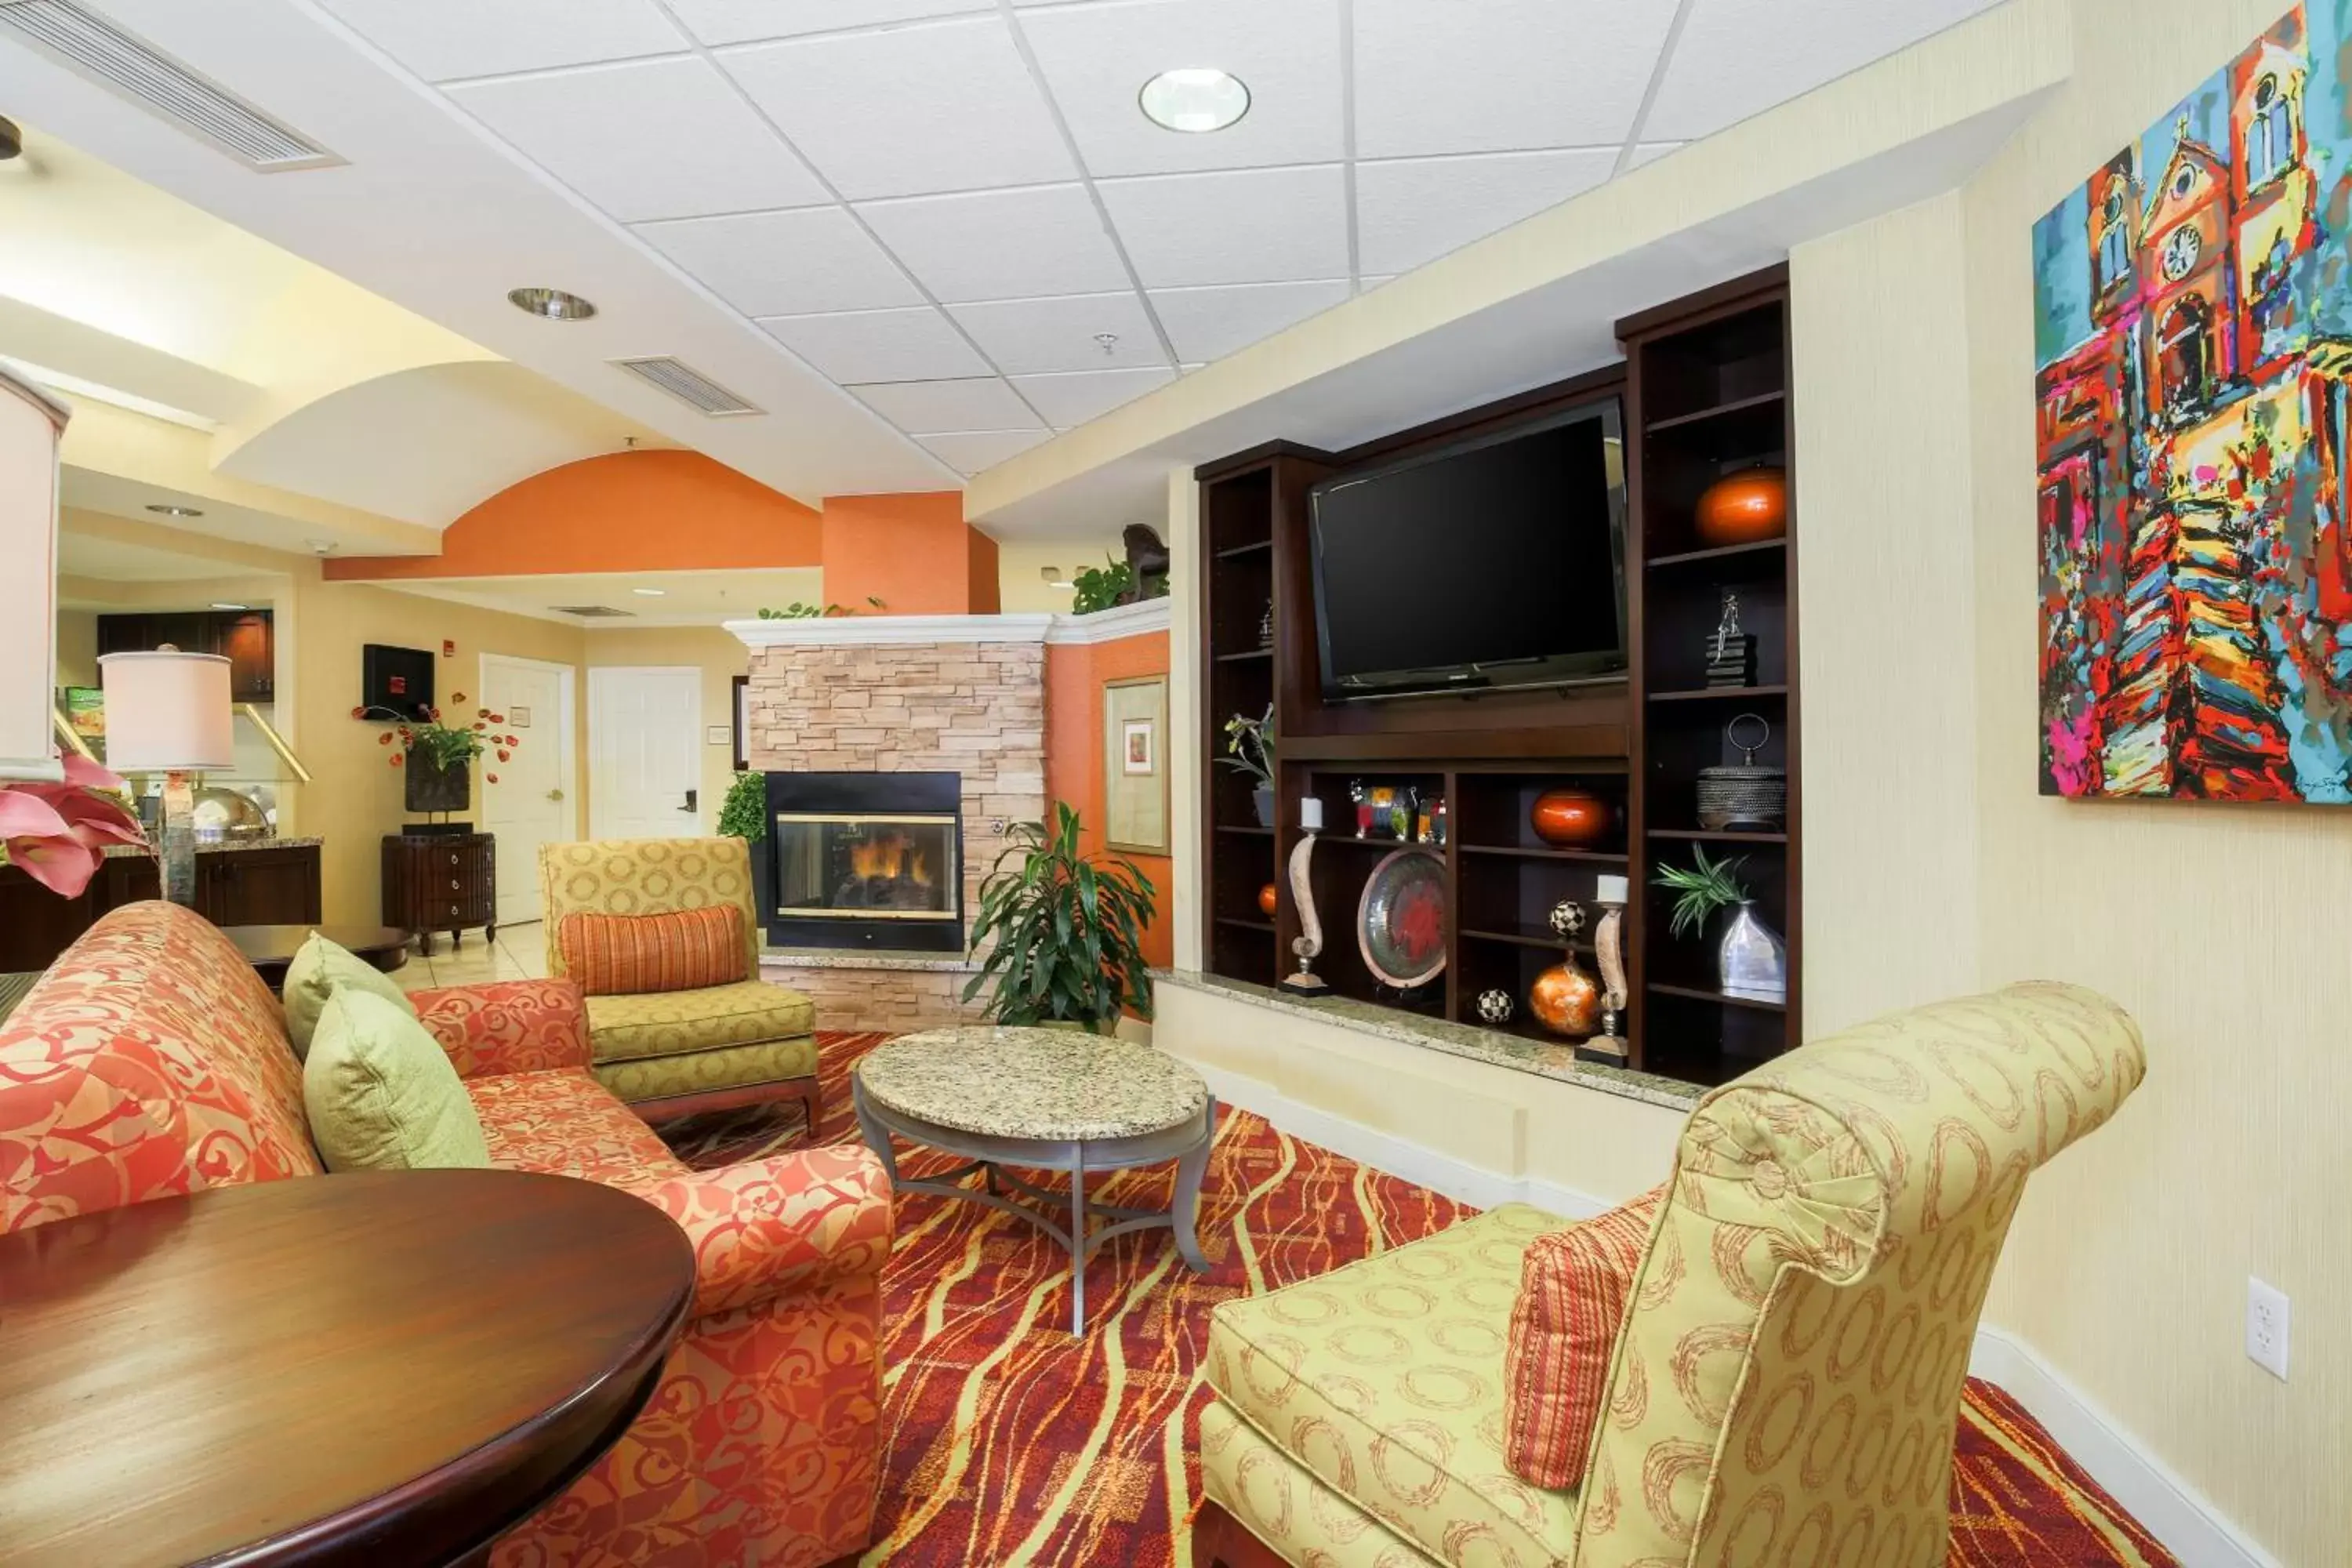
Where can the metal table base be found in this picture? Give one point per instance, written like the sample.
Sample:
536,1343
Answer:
1187,1144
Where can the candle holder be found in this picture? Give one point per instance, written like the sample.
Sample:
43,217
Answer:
1609,1048
1308,946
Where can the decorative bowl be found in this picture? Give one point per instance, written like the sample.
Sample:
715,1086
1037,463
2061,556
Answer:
1269,898
1744,508
1567,1001
1401,920
1571,818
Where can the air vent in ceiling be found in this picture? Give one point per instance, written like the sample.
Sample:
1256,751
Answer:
689,385
88,44
593,611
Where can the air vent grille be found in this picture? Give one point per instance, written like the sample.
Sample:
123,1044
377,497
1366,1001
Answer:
88,45
593,611
689,385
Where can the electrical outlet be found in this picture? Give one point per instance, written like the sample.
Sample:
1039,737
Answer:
2266,1327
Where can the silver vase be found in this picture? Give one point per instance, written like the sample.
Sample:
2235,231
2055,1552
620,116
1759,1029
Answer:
1752,961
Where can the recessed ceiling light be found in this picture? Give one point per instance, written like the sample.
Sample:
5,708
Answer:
649,593
176,511
223,605
1194,100
552,303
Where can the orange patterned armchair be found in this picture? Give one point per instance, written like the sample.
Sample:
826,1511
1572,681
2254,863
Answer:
151,1061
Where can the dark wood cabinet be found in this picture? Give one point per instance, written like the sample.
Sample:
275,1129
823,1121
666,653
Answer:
437,882
275,884
247,639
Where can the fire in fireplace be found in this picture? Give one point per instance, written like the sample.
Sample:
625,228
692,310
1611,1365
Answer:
866,860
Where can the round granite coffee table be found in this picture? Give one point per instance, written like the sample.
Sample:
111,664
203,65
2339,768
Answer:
1046,1100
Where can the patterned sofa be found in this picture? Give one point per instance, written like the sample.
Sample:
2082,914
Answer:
1785,1384
673,1053
151,1061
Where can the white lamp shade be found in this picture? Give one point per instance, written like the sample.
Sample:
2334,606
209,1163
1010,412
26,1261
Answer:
167,712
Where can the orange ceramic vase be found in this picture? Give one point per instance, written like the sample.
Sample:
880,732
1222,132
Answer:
1269,898
1571,819
1746,508
1567,1001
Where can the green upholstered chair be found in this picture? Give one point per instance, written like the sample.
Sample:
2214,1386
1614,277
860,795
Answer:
674,1053
1785,1384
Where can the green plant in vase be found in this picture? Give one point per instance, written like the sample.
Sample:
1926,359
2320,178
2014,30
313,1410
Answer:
1750,959
1062,931
1249,749
438,757
744,813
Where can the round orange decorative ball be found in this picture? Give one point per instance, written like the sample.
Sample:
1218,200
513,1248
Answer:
1746,508
1571,818
1269,898
1567,1001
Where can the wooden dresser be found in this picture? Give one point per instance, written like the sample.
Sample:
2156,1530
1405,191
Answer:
436,882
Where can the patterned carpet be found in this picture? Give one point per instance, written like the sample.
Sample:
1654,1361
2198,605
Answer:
1011,1443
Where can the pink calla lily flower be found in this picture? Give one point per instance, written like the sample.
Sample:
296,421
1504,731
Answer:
57,833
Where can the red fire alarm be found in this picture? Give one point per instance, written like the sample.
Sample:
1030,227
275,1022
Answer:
448,648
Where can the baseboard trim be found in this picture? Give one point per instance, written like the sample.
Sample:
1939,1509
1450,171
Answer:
2190,1528
2171,1509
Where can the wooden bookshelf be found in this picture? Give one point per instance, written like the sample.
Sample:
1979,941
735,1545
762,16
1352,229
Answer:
1705,391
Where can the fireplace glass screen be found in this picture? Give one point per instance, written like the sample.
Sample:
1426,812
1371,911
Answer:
866,868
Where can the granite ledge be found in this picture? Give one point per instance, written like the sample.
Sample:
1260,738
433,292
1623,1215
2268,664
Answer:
220,845
845,958
1488,1046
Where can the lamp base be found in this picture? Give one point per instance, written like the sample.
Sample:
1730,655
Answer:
179,839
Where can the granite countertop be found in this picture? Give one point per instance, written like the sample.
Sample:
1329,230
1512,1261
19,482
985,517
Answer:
1489,1045
1062,1086
224,845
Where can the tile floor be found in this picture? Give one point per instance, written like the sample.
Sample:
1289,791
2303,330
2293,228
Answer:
518,953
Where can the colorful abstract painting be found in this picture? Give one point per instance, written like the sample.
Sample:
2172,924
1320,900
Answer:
2194,342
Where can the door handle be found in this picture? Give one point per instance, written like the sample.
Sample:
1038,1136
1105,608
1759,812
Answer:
556,794
691,799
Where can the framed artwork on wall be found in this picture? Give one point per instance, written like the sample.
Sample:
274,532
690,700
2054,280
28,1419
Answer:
2194,396
742,723
1135,765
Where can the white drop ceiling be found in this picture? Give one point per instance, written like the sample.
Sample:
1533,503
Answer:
955,209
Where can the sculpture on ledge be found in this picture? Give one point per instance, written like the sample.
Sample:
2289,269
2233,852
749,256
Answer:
1308,946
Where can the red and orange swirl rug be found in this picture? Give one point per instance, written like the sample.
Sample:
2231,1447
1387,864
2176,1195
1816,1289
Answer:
1011,1443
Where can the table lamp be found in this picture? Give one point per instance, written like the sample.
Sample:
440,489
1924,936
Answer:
168,712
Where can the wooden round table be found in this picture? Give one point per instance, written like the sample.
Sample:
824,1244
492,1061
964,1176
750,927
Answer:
383,1367
1054,1100
269,949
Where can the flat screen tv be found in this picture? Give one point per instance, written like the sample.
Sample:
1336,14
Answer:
1491,565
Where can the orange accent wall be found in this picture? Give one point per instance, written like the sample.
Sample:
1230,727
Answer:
626,512
914,553
1075,674
987,590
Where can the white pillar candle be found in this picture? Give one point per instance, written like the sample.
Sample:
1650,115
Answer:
1310,814
1612,890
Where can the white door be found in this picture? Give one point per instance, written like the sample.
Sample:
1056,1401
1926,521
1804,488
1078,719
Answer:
645,753
533,802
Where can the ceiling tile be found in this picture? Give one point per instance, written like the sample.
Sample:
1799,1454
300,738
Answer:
879,345
1072,400
1024,336
443,40
941,106
1502,74
741,21
1739,58
1249,226
1001,244
589,129
1415,210
1095,59
924,407
1210,323
970,452
787,263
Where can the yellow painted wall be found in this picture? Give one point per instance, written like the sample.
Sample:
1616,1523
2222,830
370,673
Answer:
720,657
77,647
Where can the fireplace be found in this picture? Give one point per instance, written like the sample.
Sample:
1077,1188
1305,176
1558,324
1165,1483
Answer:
866,860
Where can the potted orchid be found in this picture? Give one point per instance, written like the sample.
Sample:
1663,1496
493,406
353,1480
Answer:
58,833
439,757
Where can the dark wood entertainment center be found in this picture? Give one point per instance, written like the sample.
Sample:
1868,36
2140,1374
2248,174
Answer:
1705,393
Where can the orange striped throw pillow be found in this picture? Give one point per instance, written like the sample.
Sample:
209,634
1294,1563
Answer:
626,955
1572,1297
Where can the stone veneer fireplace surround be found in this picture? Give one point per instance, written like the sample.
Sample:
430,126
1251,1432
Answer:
903,694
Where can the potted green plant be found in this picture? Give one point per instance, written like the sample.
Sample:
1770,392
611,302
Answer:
1062,931
439,758
744,814
1249,749
1750,959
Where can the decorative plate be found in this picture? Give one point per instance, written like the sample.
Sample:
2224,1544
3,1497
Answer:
1400,923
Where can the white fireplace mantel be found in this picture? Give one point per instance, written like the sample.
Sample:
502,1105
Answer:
924,631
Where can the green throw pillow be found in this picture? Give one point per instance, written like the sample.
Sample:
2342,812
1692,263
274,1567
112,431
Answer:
319,969
380,1094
